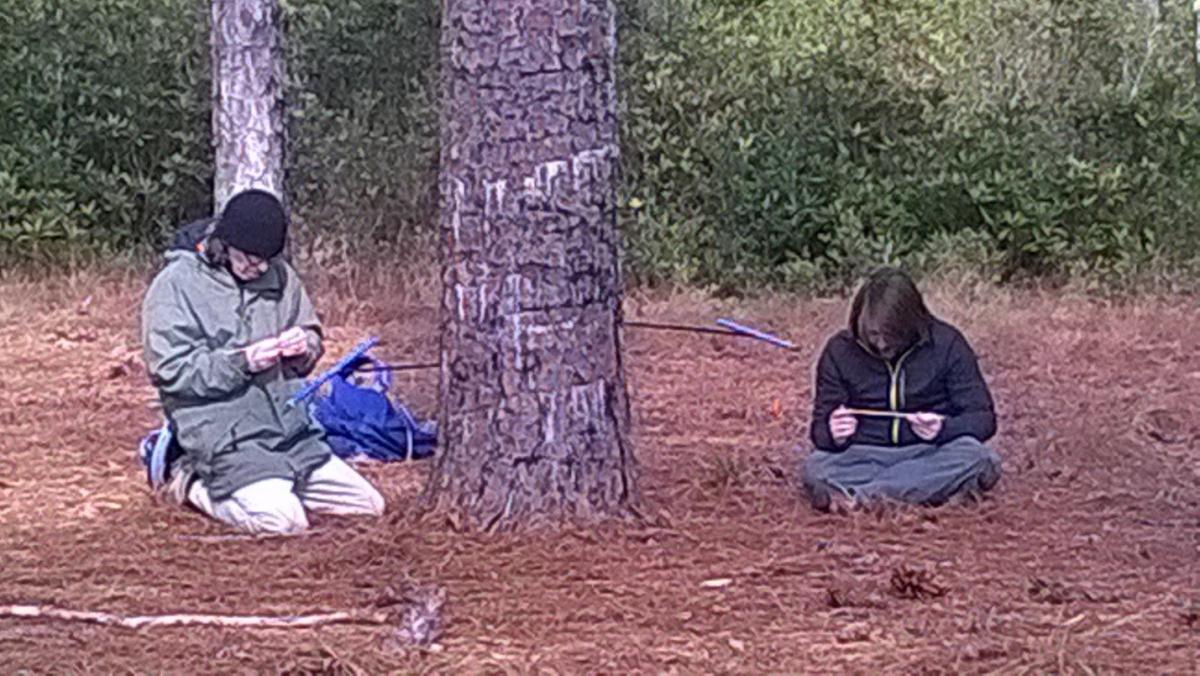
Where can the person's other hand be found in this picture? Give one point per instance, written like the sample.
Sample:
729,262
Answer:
842,424
262,355
293,342
926,425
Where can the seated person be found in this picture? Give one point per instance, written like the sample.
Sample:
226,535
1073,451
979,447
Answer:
228,335
900,409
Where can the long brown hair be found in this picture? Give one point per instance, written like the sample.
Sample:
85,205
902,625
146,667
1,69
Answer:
215,251
889,300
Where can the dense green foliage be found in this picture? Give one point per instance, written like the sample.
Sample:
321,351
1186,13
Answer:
786,143
792,142
364,129
103,120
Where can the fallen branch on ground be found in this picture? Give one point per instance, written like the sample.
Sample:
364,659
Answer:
140,621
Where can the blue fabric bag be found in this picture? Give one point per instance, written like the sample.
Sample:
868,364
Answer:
361,421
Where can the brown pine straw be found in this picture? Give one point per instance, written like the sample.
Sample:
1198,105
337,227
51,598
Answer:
1083,561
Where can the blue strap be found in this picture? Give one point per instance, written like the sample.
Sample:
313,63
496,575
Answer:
343,363
158,455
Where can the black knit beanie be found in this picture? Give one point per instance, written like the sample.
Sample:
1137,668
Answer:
253,221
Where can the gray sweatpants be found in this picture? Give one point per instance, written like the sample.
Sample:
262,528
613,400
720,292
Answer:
927,474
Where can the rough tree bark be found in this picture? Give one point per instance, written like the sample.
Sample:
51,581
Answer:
247,80
534,411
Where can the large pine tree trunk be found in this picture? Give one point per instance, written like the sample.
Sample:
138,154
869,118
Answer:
534,412
248,108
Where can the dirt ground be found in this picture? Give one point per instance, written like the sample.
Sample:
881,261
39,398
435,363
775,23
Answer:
1085,560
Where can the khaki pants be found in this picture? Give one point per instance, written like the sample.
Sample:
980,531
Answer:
275,506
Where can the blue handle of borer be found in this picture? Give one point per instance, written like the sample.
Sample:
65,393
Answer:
755,333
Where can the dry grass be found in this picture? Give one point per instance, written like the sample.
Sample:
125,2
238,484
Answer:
1083,562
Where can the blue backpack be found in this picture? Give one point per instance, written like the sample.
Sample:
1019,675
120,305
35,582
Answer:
362,421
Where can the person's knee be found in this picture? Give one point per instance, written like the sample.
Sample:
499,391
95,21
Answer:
970,447
284,521
361,500
373,501
985,454
361,496
991,473
966,444
268,506
814,469
993,457
983,458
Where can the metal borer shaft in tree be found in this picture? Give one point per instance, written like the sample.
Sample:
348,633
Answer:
740,332
371,368
679,327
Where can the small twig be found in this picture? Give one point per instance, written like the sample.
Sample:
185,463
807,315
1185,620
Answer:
871,412
234,537
1167,524
878,414
1127,619
228,537
1133,91
646,533
140,621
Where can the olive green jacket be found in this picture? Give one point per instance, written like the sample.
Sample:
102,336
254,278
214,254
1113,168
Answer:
234,425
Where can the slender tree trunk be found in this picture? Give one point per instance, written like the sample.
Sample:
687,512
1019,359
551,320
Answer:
1196,51
248,108
534,411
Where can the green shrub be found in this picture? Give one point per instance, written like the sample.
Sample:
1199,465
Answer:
765,143
795,143
105,114
103,121
364,128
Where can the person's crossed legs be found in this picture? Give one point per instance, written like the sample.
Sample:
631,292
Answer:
931,475
918,474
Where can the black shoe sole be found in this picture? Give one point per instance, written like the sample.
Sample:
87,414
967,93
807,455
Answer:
819,496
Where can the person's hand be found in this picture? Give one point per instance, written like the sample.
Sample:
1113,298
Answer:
842,424
262,355
293,342
926,425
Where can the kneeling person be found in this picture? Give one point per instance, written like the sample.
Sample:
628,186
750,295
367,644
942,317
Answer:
900,410
229,335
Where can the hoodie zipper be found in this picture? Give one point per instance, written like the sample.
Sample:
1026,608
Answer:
896,393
